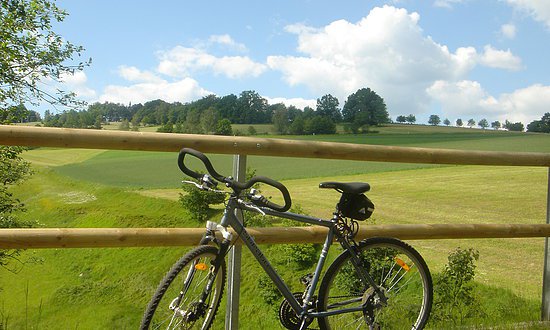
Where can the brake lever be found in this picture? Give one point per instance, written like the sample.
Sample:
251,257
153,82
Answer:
204,186
252,206
194,183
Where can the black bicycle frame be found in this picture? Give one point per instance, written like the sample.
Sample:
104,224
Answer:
229,219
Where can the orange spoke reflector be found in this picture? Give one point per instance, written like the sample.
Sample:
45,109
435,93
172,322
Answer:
201,266
402,264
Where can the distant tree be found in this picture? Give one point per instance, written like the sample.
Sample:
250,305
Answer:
297,127
434,120
124,125
280,119
293,113
401,119
251,130
224,127
495,125
13,114
192,123
447,122
228,107
471,123
411,119
483,123
98,121
365,108
209,120
166,128
459,122
327,106
319,125
308,112
514,127
252,108
33,116
540,126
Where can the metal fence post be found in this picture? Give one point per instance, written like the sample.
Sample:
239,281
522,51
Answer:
234,259
545,308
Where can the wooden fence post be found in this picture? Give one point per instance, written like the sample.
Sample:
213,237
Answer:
545,307
234,259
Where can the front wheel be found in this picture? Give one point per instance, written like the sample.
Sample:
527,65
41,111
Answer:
398,270
190,293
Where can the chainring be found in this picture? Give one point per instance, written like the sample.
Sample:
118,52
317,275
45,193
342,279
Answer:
288,317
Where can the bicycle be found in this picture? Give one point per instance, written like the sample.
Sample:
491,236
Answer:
376,283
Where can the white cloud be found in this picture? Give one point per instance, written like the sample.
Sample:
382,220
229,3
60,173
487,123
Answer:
447,3
500,59
77,83
508,31
526,104
387,51
171,81
184,90
464,97
227,40
538,9
468,98
134,74
298,102
182,61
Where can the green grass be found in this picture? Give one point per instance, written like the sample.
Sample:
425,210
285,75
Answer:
109,288
134,168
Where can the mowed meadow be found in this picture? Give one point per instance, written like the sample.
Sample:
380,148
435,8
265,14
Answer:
109,288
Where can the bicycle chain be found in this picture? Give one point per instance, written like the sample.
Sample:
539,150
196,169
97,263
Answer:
347,296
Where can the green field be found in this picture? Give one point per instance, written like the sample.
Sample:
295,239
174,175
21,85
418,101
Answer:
109,288
133,168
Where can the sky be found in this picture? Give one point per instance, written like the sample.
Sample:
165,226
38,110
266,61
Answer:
454,58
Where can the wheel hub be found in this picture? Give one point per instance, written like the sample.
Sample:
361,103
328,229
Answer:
194,311
371,302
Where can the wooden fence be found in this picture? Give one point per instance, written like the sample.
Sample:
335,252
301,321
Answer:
112,237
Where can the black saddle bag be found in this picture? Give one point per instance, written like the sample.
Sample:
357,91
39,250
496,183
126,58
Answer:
358,207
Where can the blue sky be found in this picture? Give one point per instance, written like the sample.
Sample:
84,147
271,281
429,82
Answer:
455,58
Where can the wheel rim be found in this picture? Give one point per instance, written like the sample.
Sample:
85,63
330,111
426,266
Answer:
396,270
175,311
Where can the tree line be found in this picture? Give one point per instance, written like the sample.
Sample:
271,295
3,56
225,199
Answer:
538,126
212,114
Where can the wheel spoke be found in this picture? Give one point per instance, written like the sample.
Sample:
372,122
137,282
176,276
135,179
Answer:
404,280
193,307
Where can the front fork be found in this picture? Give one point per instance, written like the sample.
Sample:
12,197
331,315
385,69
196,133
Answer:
223,247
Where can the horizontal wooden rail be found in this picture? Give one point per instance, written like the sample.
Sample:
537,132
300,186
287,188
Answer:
141,237
99,139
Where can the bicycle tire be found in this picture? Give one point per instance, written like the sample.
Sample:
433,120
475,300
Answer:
397,268
194,270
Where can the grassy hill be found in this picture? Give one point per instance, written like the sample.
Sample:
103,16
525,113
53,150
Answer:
133,168
109,288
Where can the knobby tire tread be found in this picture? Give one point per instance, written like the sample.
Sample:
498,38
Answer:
171,275
336,264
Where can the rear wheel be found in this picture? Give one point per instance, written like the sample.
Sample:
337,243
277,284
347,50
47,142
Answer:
402,276
190,293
